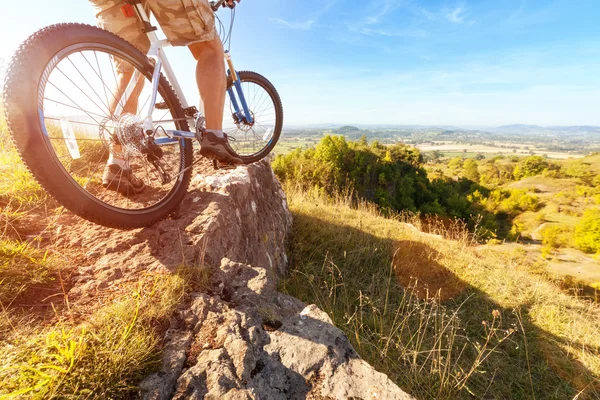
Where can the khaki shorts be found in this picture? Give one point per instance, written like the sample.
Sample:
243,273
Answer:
183,21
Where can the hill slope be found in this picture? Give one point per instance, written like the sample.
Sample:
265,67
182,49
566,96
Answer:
186,308
496,329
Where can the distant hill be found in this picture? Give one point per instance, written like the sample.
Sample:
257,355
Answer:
518,128
523,129
346,129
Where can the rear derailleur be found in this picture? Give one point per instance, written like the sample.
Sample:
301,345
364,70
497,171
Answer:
154,154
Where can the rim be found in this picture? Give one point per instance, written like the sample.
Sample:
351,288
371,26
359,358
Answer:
84,120
251,140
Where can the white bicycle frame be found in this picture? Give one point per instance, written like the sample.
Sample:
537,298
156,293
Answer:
157,53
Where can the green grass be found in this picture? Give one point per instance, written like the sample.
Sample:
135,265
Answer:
73,351
285,146
494,330
544,184
21,267
103,357
18,188
468,154
593,160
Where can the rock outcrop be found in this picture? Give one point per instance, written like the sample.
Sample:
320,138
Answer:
241,339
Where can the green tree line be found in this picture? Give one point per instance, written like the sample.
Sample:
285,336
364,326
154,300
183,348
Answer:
394,177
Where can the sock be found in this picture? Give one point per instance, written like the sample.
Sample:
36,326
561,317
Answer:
218,133
118,161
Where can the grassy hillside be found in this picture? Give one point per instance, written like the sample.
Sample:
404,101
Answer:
443,318
50,347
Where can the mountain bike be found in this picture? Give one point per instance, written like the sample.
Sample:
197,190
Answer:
66,107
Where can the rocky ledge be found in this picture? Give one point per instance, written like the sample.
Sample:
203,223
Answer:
239,339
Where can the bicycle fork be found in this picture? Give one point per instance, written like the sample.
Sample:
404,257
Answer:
238,117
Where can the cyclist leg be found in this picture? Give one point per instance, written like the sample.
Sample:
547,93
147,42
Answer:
211,80
110,17
117,173
194,26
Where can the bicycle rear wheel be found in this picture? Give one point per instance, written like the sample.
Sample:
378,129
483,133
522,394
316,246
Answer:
66,115
253,142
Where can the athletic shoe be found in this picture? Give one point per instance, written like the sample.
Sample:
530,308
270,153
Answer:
121,180
217,148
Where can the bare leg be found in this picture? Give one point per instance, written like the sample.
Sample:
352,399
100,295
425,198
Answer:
131,103
117,174
210,76
130,106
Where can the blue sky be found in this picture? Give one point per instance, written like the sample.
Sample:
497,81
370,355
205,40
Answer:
466,63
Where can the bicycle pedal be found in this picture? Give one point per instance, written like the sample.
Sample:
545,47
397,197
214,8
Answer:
190,111
161,106
217,165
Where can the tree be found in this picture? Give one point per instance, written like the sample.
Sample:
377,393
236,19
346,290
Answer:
471,170
587,232
579,169
530,166
455,163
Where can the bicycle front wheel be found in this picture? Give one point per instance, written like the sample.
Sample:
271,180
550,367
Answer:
75,95
253,141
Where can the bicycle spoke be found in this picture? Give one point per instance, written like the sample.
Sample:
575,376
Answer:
95,169
90,86
120,100
77,139
145,103
77,87
71,121
81,90
267,97
104,84
89,114
99,74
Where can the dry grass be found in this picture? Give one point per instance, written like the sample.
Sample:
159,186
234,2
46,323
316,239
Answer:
103,357
466,324
73,351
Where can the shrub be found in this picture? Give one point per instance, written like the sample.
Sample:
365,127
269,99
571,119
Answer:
556,236
471,170
578,169
456,163
511,202
587,232
530,166
391,176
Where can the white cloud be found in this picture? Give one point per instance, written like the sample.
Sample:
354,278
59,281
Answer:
455,15
308,23
302,25
394,33
385,7
496,88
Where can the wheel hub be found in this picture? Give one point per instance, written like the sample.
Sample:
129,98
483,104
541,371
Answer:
244,125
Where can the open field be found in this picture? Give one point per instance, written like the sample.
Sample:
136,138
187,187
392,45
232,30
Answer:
457,149
288,144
